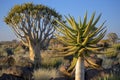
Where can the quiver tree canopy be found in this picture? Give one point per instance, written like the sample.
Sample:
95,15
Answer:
32,23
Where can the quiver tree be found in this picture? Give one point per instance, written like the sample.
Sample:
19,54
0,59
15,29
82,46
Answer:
113,37
80,39
33,25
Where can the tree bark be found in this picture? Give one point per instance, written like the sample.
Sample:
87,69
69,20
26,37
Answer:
31,53
79,73
35,55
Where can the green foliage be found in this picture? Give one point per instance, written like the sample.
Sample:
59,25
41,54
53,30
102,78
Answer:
51,62
16,13
79,37
111,52
112,55
116,46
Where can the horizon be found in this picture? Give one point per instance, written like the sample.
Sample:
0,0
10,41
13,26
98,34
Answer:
109,9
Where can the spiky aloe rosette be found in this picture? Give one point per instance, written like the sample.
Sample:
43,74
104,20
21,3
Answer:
79,38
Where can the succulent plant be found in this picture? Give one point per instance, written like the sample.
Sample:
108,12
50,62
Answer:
80,37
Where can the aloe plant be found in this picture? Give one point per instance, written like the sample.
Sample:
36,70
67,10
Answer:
79,38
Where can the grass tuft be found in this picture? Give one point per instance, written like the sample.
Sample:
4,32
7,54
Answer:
45,74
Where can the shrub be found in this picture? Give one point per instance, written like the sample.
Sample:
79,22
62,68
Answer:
107,63
49,62
2,71
45,74
2,52
110,77
11,61
22,61
116,46
111,52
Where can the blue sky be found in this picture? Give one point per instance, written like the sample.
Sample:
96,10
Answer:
110,10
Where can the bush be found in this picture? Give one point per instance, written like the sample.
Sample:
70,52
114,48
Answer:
116,46
107,63
45,74
49,62
22,61
110,77
2,71
111,53
2,52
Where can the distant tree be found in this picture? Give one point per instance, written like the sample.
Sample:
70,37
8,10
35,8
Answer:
80,39
113,37
33,25
104,43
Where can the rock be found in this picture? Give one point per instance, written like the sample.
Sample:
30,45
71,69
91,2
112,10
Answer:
11,61
94,74
60,78
23,72
7,60
90,74
64,72
14,70
116,68
3,59
27,73
10,77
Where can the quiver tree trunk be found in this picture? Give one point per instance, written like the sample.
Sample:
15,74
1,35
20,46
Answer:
31,53
35,57
79,72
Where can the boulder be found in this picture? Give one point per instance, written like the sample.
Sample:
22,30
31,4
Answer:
116,68
7,60
10,77
3,59
94,74
60,78
23,72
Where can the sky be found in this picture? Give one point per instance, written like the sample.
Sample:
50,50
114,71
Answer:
110,10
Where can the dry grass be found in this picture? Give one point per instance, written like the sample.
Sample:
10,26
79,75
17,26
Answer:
2,71
110,77
49,62
45,74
